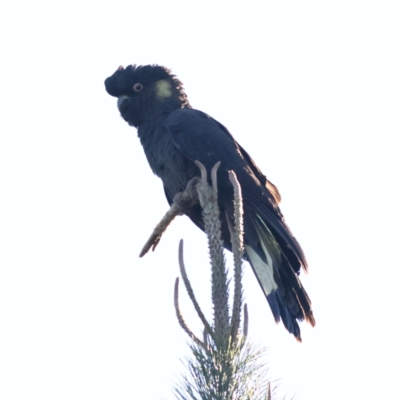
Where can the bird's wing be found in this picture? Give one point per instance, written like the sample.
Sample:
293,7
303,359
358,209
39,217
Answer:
274,253
200,137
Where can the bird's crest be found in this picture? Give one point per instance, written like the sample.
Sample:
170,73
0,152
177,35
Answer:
123,79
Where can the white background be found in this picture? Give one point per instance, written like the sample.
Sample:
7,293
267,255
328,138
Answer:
310,89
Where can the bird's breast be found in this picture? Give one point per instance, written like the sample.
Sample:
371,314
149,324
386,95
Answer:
165,159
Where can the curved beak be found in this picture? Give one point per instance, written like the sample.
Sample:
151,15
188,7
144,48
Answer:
121,99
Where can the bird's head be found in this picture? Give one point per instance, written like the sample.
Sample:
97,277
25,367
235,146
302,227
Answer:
145,92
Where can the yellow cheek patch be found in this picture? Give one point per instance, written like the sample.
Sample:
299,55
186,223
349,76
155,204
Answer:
164,88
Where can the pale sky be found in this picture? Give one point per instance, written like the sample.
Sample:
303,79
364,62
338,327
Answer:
310,89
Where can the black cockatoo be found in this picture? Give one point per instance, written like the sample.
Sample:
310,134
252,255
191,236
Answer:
173,136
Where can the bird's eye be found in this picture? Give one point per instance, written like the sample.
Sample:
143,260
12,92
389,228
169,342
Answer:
137,87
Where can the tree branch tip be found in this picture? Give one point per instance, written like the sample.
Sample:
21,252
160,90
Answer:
233,179
203,172
214,176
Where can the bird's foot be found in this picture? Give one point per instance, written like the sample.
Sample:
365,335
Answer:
189,197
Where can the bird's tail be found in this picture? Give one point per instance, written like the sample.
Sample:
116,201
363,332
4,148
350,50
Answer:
286,295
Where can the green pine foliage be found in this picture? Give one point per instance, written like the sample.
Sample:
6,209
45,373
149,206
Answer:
237,373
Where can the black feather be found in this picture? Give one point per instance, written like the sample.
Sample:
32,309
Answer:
173,136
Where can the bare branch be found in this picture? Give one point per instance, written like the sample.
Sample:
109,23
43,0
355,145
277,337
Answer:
212,226
205,337
203,172
237,250
238,293
181,321
190,291
245,321
214,176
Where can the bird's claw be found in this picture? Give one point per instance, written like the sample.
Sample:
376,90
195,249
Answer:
189,197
